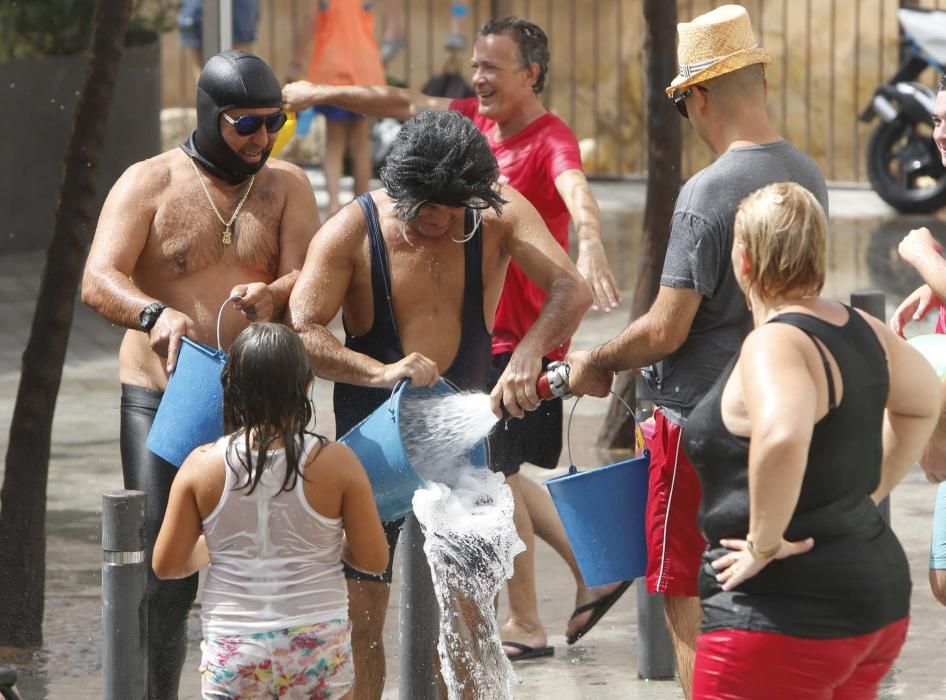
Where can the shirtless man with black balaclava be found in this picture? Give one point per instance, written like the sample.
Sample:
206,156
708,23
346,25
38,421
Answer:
180,234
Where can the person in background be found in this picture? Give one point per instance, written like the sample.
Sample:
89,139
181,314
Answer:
344,51
274,509
190,23
214,220
699,317
923,253
804,586
538,155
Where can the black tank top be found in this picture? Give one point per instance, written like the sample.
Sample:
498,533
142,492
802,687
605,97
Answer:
855,580
470,369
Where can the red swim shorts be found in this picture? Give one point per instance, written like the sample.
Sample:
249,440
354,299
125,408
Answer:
675,544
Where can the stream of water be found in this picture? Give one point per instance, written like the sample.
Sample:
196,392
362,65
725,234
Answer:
471,541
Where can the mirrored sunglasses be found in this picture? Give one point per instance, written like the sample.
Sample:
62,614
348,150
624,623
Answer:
250,123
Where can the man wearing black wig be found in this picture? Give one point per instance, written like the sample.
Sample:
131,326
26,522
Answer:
180,234
417,269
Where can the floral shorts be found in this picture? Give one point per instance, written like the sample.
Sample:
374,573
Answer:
301,662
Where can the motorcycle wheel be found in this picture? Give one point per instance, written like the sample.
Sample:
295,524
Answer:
905,167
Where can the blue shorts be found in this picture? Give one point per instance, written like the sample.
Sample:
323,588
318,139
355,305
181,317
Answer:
938,540
337,114
245,19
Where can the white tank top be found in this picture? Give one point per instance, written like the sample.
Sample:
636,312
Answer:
275,562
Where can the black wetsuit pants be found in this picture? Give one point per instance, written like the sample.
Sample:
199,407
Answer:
169,602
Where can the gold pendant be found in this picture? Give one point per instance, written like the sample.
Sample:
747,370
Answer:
227,237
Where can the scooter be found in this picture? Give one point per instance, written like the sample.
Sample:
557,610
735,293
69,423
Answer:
904,166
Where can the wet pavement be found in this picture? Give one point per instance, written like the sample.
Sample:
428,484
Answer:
85,463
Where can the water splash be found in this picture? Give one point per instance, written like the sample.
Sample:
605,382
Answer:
439,432
471,542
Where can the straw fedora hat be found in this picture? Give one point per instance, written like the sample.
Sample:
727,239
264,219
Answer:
714,44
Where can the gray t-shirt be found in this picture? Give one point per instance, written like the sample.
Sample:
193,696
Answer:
698,257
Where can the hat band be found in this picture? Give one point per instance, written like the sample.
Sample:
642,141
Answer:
688,70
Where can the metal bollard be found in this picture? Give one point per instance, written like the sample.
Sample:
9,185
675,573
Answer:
418,617
655,658
124,613
873,302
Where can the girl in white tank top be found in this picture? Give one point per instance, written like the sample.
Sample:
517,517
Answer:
273,508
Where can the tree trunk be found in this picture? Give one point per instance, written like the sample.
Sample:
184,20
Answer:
23,496
663,184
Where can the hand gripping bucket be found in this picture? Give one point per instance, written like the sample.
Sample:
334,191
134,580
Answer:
379,444
191,410
602,511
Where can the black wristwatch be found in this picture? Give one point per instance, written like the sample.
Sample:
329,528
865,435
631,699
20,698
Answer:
149,315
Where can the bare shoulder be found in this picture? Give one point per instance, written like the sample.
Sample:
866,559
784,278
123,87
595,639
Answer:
334,461
150,177
201,465
289,173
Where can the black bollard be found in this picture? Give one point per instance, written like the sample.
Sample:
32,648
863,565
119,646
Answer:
124,613
872,301
418,617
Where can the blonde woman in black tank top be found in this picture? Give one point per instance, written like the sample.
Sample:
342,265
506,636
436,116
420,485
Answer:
804,588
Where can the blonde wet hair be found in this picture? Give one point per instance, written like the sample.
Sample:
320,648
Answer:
784,231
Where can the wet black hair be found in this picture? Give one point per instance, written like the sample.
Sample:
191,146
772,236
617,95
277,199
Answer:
441,158
532,42
230,80
265,380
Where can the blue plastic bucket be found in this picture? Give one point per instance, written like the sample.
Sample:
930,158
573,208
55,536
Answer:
191,410
603,513
379,444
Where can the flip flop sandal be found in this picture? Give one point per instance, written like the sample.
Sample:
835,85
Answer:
524,651
599,608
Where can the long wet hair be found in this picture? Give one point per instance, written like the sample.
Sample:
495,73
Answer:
441,158
265,399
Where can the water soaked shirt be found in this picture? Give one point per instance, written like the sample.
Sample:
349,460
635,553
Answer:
275,562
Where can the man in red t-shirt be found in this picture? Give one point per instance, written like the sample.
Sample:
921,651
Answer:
538,155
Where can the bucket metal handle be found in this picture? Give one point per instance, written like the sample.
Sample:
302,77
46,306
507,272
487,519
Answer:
220,319
638,433
400,384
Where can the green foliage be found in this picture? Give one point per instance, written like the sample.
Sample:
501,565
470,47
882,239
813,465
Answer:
37,28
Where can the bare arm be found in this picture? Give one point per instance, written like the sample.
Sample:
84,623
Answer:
373,100
913,408
592,262
366,547
180,549
120,237
317,297
545,263
782,404
646,340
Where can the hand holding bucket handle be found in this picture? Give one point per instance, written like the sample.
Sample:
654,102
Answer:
639,443
255,300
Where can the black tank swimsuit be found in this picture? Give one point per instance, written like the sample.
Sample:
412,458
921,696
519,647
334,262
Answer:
471,367
855,580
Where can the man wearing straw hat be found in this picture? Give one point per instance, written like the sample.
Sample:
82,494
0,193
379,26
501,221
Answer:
700,316
212,221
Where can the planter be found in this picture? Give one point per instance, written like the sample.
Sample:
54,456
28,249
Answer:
37,104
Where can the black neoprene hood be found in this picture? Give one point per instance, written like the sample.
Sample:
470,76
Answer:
230,80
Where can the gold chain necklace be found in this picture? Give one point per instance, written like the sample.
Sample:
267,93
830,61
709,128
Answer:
227,236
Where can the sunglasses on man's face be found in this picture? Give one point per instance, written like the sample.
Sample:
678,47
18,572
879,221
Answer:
249,124
679,101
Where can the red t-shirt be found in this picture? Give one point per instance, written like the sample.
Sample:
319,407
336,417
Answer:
529,161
